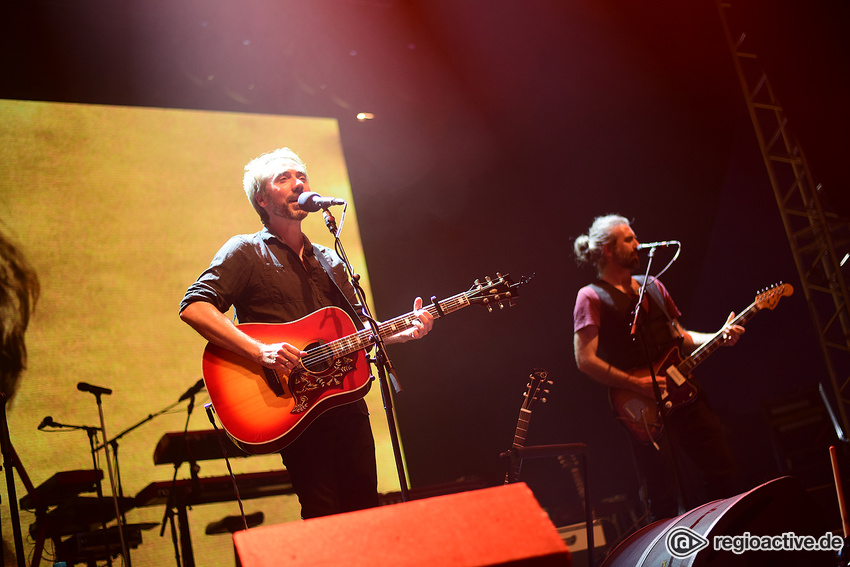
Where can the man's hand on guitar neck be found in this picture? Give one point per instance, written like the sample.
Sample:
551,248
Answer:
728,334
420,326
731,333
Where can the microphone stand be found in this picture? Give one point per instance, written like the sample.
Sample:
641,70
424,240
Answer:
92,435
114,444
10,461
142,422
381,360
638,331
168,513
118,520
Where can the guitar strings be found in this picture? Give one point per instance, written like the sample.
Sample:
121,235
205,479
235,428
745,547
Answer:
361,339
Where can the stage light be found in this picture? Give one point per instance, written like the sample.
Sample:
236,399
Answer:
364,116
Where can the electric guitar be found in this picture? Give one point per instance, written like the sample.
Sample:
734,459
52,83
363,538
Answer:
263,410
639,413
537,384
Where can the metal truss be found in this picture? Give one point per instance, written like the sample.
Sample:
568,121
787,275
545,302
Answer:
814,230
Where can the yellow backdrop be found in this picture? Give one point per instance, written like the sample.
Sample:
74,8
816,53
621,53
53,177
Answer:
119,209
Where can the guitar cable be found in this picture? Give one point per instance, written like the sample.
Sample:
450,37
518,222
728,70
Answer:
209,408
648,432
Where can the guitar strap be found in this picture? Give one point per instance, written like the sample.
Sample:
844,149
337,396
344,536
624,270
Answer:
651,288
660,331
655,294
348,308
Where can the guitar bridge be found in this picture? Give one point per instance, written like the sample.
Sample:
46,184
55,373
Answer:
273,381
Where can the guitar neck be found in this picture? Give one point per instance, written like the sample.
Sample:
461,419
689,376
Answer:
704,350
519,441
522,427
365,338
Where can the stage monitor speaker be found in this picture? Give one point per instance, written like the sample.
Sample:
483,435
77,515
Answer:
771,509
493,526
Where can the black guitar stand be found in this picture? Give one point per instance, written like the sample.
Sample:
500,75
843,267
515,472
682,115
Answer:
381,360
516,455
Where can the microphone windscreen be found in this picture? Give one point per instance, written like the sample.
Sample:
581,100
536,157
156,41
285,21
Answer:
307,202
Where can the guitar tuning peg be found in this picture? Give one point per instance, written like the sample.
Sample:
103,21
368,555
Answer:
543,400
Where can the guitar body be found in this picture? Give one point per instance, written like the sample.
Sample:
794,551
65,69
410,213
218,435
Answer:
264,410
639,414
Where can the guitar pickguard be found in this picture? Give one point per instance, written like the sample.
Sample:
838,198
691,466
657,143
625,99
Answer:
307,387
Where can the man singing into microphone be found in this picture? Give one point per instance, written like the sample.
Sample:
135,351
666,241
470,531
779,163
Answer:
277,276
608,351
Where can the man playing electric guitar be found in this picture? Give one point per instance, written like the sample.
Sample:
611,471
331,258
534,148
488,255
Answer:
606,350
278,276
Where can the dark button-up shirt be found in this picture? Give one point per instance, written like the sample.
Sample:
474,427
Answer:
265,281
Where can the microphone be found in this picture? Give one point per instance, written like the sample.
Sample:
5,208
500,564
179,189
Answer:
48,422
96,390
199,385
662,244
312,202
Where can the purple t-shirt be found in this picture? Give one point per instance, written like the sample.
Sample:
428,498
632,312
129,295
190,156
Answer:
588,306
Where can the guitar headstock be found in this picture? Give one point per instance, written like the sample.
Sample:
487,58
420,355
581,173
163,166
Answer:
768,298
495,291
537,389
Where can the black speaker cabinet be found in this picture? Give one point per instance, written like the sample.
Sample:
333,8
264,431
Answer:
772,509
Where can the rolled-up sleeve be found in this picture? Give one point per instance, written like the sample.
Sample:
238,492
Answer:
224,279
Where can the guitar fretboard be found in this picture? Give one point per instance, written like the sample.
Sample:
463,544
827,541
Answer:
365,338
700,354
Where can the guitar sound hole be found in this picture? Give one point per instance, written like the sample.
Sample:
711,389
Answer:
316,362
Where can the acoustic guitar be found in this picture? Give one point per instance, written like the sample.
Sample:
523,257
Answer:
263,410
535,391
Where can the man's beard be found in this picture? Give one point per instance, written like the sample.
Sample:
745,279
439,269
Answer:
287,212
630,262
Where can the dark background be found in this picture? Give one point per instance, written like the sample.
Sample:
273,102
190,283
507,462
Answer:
501,129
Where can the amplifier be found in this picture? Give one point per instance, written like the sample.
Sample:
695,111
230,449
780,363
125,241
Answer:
575,536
